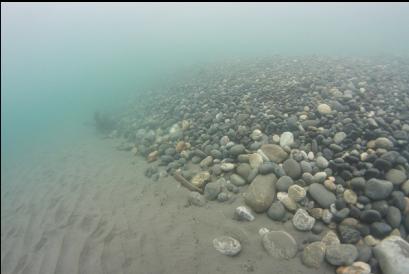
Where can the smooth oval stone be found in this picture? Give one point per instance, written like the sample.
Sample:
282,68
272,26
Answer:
279,244
321,162
266,168
383,142
324,109
212,190
227,245
292,168
341,254
377,189
393,217
321,195
370,216
261,192
396,176
243,170
236,150
237,180
283,183
276,211
380,230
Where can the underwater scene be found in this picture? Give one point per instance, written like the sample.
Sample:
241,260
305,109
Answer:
204,138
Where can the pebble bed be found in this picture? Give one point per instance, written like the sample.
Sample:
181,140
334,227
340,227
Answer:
323,142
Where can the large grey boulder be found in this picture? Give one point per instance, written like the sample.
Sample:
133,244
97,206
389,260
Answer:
392,254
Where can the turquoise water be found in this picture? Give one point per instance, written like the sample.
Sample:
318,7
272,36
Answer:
61,62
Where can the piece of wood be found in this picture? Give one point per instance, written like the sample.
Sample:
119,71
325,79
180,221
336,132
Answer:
179,177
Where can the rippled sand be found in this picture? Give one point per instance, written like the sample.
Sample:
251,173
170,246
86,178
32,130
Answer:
80,206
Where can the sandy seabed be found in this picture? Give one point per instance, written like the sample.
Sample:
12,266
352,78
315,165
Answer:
81,206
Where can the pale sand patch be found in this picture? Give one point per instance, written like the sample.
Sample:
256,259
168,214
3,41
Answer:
83,207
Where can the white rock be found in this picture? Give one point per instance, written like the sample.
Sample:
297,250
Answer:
227,245
324,109
286,139
227,167
244,213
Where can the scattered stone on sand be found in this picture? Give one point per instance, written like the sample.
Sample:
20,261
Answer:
243,213
212,190
279,244
227,245
200,179
276,211
196,199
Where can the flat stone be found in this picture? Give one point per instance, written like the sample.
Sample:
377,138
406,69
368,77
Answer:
302,220
276,211
196,199
396,176
321,162
237,180
341,254
384,143
380,230
227,245
393,217
243,170
321,195
279,244
313,254
200,179
237,149
377,189
292,168
261,192
212,190
393,255
274,153
283,183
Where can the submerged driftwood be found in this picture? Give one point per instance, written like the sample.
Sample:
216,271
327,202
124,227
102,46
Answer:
179,177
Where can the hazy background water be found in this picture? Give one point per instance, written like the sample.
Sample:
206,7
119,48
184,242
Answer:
61,62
